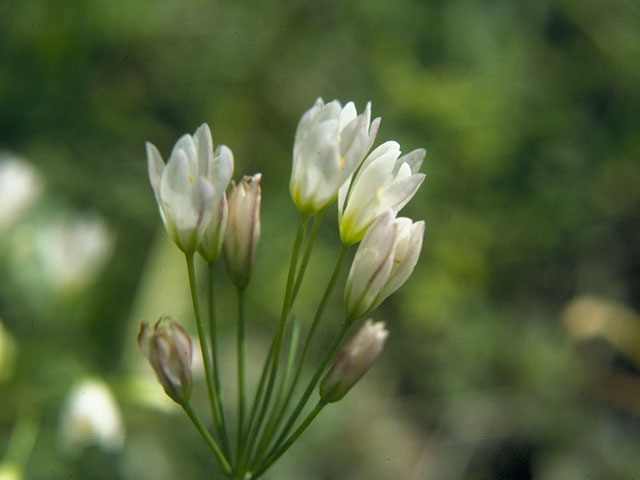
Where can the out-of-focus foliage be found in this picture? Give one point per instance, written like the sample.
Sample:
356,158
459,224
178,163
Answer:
530,113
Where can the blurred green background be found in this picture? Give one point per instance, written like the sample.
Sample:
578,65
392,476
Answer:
514,347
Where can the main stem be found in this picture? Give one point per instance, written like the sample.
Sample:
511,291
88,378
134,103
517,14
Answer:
241,367
220,423
307,254
213,446
277,344
318,316
290,441
282,406
278,409
256,402
206,356
312,384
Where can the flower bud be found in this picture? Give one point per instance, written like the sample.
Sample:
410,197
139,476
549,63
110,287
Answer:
211,243
330,143
189,186
243,229
168,349
353,361
383,262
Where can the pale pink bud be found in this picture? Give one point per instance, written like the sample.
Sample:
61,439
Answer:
168,349
243,229
211,243
353,361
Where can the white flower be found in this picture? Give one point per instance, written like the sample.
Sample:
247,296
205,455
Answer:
385,180
383,262
189,186
20,186
353,361
91,416
243,229
330,143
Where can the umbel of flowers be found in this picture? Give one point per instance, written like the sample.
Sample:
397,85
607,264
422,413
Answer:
331,162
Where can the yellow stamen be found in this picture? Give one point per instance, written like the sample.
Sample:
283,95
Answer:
191,178
341,161
398,261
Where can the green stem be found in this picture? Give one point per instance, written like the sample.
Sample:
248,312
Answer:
206,356
263,444
312,384
241,366
318,316
290,441
306,255
279,413
22,439
213,446
257,399
280,333
220,423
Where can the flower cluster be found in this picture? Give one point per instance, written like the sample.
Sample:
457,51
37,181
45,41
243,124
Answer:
332,161
190,191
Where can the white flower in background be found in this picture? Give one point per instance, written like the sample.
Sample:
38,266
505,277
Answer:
330,143
353,361
383,262
20,187
91,417
10,471
243,229
385,180
189,186
73,250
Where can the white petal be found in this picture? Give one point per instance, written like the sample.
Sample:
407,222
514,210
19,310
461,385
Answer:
155,166
381,150
222,170
187,146
330,111
398,194
204,149
347,114
414,159
408,247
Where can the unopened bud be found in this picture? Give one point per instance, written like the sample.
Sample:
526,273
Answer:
168,349
353,361
243,229
211,243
